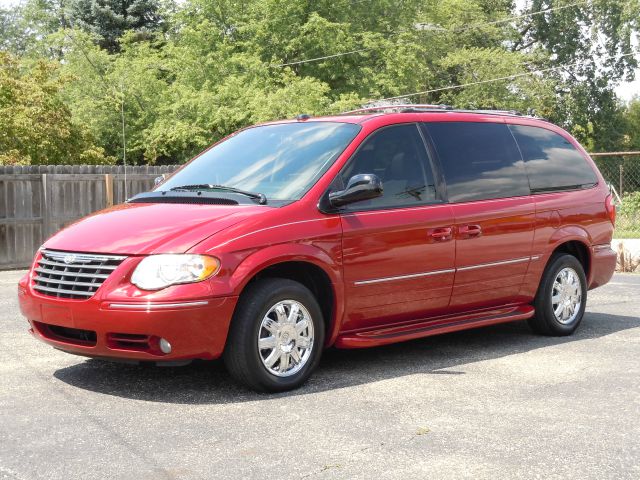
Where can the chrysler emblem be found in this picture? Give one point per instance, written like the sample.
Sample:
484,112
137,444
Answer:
69,258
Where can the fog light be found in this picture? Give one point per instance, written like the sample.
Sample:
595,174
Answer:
165,346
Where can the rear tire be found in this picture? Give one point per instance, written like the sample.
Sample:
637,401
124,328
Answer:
561,298
276,336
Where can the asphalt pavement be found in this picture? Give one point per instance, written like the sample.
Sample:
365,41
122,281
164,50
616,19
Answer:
497,402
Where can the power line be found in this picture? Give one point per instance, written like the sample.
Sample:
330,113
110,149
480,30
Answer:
86,57
317,59
524,15
498,79
439,30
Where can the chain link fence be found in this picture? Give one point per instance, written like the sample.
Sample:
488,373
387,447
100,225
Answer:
622,171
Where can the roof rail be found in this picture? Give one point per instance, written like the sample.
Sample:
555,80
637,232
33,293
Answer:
404,108
511,113
491,111
417,108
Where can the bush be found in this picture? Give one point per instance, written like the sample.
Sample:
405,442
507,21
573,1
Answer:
628,218
630,203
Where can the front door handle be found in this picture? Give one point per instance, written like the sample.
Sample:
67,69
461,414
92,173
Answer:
469,231
441,234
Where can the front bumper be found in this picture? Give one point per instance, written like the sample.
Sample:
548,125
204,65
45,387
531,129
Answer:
196,329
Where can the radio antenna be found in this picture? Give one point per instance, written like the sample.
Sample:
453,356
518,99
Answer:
124,139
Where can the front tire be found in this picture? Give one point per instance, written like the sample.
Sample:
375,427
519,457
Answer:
561,298
276,336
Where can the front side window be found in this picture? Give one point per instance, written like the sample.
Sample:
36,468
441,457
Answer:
479,160
397,155
281,161
552,162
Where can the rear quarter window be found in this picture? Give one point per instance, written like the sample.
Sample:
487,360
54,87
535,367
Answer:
479,160
551,161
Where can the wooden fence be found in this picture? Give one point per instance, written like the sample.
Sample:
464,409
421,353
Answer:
38,200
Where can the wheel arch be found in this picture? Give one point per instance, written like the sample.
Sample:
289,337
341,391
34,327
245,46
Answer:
306,264
578,249
546,321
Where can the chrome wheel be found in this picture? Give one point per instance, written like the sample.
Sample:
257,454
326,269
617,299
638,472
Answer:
285,338
566,296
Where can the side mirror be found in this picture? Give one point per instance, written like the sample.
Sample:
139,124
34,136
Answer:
363,186
159,180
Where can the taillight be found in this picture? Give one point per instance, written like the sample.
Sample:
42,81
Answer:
611,208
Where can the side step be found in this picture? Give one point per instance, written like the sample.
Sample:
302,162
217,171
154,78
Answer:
427,328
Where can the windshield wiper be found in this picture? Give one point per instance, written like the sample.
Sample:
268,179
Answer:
261,197
194,186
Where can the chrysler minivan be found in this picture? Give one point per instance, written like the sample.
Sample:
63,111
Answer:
357,230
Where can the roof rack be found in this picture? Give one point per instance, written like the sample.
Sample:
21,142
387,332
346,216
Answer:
403,108
491,111
417,108
512,113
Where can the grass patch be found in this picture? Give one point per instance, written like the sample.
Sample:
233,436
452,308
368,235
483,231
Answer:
623,234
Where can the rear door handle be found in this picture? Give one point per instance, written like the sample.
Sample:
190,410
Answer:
441,234
469,231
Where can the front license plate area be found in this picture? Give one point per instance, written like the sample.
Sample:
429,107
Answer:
55,315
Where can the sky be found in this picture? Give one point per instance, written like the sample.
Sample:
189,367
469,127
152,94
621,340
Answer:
625,90
628,89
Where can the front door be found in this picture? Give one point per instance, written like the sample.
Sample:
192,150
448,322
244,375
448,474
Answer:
494,213
398,249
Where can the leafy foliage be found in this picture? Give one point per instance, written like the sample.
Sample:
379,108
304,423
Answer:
631,203
35,124
110,19
632,126
628,216
185,75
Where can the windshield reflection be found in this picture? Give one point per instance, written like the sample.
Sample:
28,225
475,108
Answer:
281,161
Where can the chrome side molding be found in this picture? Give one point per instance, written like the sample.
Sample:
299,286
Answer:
403,277
494,264
449,270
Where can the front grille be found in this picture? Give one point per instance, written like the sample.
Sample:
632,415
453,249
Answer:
72,275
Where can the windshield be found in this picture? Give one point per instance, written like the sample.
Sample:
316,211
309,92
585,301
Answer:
281,161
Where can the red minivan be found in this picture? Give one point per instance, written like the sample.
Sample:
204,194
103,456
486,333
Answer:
357,230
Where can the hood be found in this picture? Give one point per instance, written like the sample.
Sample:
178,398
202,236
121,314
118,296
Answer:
146,228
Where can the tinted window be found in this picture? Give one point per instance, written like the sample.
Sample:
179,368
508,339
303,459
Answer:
282,161
398,156
552,162
479,160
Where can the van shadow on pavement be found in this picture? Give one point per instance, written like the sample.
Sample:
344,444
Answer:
208,383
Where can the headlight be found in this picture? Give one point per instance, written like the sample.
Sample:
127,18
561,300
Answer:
159,271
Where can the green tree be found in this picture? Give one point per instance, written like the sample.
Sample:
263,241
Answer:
591,44
35,124
110,19
186,74
632,124
13,32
